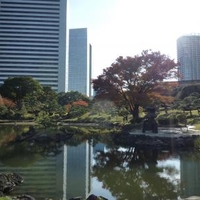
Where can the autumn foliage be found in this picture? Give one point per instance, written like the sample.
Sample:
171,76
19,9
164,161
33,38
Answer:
136,81
80,103
76,103
7,102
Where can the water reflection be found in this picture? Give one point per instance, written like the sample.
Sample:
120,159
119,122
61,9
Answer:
63,175
85,165
190,174
133,173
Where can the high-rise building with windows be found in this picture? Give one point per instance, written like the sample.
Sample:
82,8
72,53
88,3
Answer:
80,61
188,55
34,41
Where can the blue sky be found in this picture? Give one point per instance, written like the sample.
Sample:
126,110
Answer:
126,27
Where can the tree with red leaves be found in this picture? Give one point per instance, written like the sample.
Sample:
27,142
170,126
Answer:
136,81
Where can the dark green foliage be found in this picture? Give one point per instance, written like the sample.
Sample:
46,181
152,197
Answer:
70,97
187,90
167,120
77,111
49,101
19,88
182,118
3,111
44,119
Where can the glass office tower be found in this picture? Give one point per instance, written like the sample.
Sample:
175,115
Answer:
34,41
80,59
188,54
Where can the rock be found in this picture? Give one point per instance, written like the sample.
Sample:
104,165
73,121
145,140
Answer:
9,181
23,197
102,198
1,194
76,198
193,198
94,197
15,178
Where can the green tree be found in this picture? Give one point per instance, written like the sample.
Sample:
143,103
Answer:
3,111
18,88
134,81
49,101
44,119
70,97
189,103
187,90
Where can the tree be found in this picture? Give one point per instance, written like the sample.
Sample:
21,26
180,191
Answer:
18,88
74,102
49,100
190,103
70,97
46,101
136,81
187,90
77,108
6,102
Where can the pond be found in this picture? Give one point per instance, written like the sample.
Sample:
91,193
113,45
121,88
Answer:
92,164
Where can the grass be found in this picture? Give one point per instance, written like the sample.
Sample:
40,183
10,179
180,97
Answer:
197,126
103,117
5,198
193,120
97,118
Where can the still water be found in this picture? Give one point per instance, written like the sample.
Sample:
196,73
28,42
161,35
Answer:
95,165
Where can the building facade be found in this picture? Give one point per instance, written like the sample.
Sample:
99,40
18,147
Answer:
34,41
188,55
80,61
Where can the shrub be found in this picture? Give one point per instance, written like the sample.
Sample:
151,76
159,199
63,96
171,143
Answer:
167,120
181,118
197,144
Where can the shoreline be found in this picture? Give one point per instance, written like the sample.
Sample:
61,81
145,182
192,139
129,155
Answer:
17,122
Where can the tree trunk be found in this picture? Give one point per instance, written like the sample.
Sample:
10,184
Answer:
135,113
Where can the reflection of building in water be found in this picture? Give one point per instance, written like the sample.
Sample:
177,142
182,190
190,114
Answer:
78,170
190,176
41,179
99,147
59,177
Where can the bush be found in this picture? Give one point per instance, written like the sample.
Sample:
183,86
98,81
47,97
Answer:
181,118
197,144
167,120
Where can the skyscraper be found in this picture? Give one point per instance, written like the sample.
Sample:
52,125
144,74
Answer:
34,41
188,54
80,59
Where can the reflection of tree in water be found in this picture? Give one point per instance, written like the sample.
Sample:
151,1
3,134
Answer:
27,151
92,134
11,133
15,155
133,174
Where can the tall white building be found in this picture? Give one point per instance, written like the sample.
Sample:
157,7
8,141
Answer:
80,61
188,55
34,41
